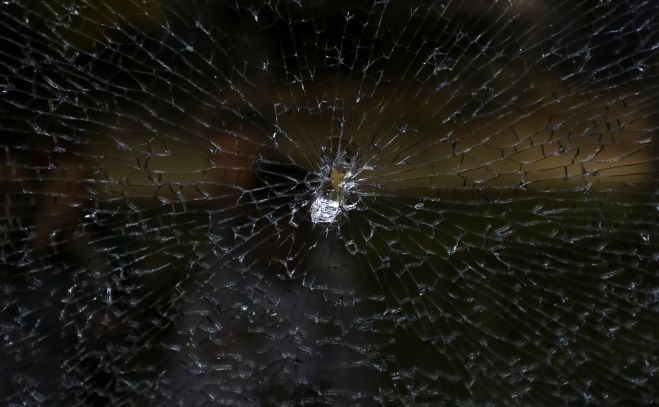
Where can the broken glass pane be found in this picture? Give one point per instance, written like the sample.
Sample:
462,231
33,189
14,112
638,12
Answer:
342,203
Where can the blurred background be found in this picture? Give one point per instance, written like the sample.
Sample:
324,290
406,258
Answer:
490,168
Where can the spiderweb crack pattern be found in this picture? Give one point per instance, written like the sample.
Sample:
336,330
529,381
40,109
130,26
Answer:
343,203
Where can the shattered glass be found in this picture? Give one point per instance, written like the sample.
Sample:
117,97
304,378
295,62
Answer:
210,202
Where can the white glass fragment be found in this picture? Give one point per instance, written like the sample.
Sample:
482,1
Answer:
324,210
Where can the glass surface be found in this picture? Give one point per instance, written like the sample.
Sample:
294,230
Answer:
329,203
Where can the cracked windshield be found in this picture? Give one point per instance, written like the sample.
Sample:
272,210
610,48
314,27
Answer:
223,202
